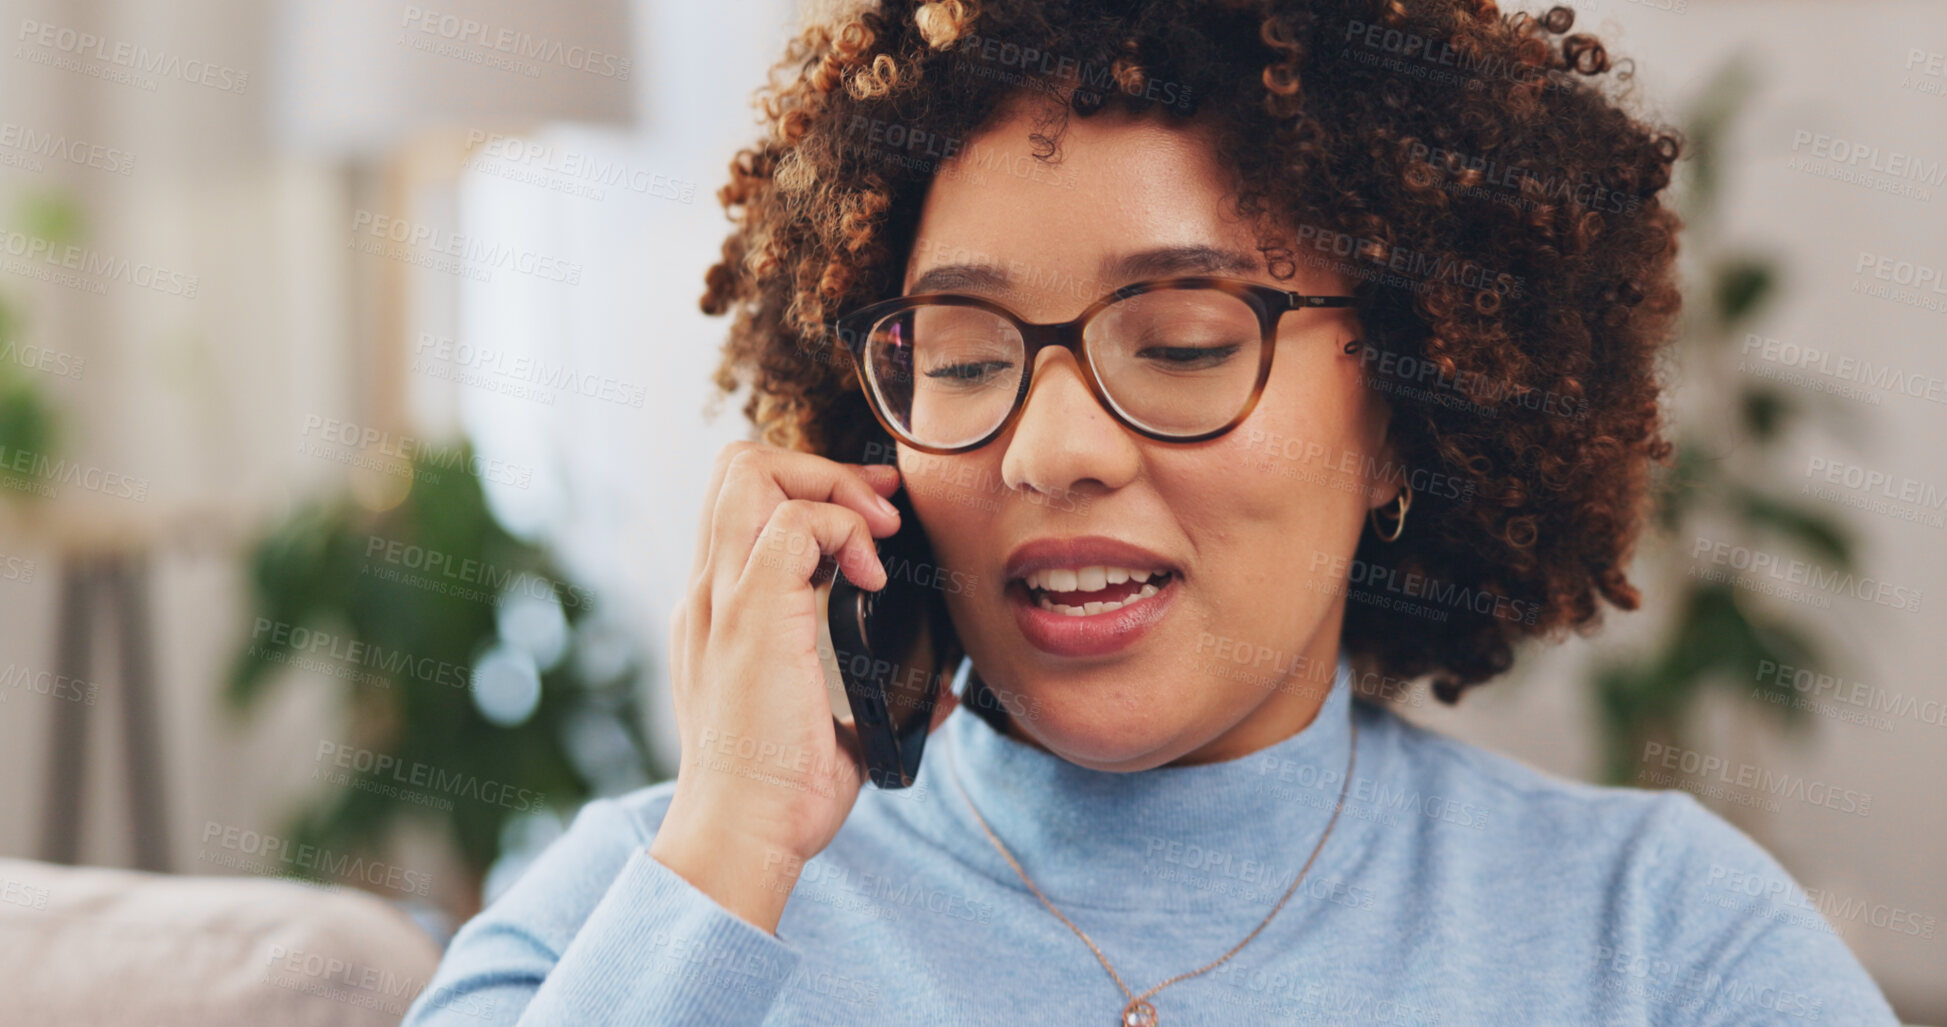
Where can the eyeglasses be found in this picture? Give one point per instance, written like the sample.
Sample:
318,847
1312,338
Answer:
1175,359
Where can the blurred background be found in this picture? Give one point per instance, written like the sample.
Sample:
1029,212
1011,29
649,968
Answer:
355,412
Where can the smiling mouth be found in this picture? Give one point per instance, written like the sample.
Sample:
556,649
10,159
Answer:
1087,591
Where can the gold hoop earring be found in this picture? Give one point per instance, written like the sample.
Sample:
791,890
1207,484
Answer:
1405,500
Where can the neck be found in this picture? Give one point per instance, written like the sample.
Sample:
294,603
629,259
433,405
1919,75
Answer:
1074,828
1290,700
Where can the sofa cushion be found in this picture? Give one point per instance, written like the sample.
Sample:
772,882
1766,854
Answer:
89,945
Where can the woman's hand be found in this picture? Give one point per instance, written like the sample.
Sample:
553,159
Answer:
765,781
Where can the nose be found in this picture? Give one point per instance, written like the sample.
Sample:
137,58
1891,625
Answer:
1064,440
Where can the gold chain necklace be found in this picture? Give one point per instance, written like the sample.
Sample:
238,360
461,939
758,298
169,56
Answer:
1139,1013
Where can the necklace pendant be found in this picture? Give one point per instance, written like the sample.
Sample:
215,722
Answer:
1138,1014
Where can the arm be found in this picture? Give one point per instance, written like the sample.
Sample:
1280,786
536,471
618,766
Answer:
597,931
605,928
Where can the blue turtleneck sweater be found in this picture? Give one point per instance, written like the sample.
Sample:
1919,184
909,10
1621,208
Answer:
1458,887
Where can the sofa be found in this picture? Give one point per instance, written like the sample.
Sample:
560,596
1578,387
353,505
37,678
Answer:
90,945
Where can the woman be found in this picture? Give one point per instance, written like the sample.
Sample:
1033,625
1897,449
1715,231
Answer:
1171,559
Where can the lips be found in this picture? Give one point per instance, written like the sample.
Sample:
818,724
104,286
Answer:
1087,596
1077,553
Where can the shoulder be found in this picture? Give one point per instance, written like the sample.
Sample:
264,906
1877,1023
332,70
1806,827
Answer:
1519,808
1667,900
1625,837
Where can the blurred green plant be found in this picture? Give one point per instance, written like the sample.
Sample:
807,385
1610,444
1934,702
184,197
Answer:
28,420
1718,636
499,703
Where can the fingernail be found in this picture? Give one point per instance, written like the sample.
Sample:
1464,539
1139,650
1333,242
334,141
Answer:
886,505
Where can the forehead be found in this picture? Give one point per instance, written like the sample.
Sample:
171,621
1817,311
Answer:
1126,197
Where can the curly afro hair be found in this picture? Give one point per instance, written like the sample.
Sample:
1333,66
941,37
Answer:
1497,207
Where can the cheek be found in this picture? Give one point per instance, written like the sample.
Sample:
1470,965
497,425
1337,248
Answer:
954,497
1249,523
1281,494
1291,459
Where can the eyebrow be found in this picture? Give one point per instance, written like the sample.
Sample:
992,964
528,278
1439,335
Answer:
1162,262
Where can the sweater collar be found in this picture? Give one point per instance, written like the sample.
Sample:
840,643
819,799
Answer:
1229,834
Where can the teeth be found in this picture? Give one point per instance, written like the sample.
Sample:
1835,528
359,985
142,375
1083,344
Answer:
1090,609
1085,579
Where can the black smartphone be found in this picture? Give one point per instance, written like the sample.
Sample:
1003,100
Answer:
895,650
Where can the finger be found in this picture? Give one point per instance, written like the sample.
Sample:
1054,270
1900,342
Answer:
884,478
757,483
707,516
679,654
799,534
755,491
861,487
879,479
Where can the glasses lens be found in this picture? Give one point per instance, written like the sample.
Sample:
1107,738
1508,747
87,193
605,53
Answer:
945,375
1177,361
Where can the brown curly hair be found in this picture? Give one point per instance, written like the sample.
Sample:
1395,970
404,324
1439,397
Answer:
1497,206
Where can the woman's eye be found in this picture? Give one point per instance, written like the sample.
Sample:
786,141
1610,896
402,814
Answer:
1190,358
970,371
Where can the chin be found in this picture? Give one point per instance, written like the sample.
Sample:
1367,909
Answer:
1113,734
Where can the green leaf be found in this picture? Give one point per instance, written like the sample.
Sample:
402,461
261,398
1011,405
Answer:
1706,123
1739,287
27,425
1682,485
1821,535
53,215
406,601
1765,412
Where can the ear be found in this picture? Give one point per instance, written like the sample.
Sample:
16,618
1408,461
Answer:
1385,452
1375,420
